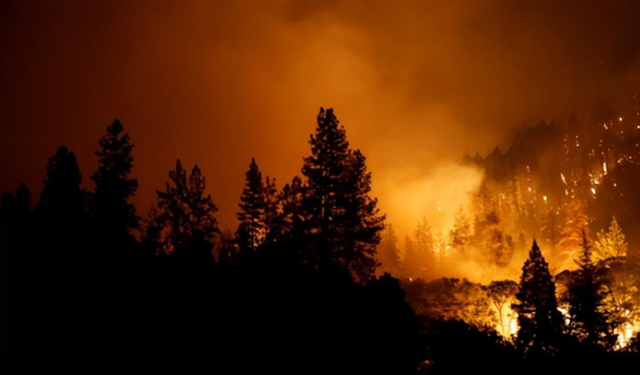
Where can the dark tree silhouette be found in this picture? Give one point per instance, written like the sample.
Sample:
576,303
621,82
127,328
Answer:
115,216
185,214
227,249
64,277
538,316
586,292
289,212
363,222
272,205
62,196
388,251
497,247
253,211
460,235
61,213
15,209
338,211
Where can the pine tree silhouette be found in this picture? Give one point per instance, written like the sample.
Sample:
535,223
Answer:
62,196
186,215
339,214
539,319
115,216
252,229
460,235
286,226
588,320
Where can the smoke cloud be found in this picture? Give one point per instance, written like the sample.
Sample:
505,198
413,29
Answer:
416,83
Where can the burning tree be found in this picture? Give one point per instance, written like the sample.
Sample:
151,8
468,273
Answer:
622,296
610,244
503,296
571,234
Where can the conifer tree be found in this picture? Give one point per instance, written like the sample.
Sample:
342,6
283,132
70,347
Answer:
610,244
115,216
363,222
571,233
62,196
424,254
497,248
460,235
288,215
272,206
185,214
539,320
339,215
253,208
388,251
586,293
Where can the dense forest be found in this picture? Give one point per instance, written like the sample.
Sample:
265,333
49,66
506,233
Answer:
313,280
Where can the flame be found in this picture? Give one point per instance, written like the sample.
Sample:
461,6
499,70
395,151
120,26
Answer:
626,332
507,325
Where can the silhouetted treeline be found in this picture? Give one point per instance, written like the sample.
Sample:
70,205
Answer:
87,286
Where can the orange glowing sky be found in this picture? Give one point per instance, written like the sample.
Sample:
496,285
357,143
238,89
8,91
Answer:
219,82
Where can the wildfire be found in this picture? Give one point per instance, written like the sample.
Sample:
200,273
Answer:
507,325
626,332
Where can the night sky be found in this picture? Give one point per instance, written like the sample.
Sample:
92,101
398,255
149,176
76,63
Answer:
215,83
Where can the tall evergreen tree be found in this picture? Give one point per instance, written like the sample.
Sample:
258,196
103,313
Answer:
253,211
288,217
571,234
61,214
272,206
497,247
460,235
389,253
62,197
540,321
423,259
586,293
115,216
610,244
185,214
363,222
339,214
